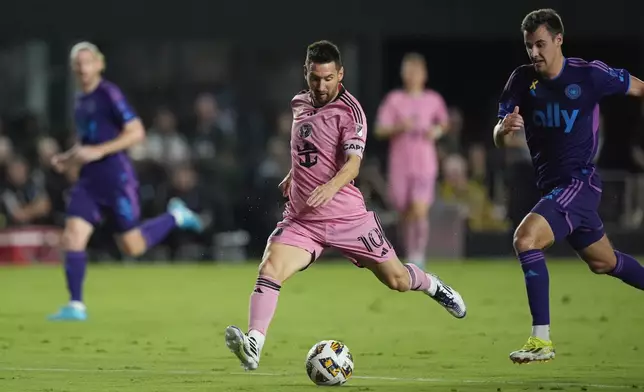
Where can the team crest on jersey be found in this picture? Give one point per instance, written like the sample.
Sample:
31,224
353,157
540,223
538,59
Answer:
573,91
359,129
305,130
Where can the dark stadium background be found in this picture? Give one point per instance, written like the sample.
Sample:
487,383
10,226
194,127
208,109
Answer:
249,55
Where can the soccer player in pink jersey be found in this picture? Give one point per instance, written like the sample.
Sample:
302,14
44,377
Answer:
325,209
412,118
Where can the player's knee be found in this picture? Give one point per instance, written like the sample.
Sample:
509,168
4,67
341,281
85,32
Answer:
418,212
132,243
271,268
132,249
524,242
74,238
526,239
601,267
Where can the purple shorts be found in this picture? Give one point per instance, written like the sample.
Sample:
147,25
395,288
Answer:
571,211
121,204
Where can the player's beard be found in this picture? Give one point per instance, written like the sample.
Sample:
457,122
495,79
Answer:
321,100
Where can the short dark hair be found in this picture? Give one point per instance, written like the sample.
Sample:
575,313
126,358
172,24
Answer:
322,52
544,17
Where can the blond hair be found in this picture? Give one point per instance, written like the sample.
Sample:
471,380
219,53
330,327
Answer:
86,45
414,57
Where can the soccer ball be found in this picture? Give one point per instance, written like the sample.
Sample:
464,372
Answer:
329,363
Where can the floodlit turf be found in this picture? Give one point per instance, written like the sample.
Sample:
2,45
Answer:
160,328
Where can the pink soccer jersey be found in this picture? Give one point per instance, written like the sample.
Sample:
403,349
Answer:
321,139
412,152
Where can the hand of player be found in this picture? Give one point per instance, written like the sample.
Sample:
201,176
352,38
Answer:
407,125
512,122
59,162
86,154
435,132
285,185
322,195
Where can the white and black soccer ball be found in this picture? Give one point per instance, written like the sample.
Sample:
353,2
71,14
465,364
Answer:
329,363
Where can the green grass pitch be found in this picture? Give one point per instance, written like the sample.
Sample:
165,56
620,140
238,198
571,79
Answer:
160,328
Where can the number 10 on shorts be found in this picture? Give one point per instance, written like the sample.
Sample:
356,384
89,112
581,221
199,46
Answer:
374,239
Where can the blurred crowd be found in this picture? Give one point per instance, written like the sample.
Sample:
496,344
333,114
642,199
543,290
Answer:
231,179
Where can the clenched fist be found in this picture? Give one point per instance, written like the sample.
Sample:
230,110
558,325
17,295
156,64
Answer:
512,122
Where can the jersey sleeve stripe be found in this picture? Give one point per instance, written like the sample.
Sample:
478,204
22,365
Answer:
594,64
355,109
597,66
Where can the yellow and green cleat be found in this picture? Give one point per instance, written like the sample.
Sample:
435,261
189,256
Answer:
535,350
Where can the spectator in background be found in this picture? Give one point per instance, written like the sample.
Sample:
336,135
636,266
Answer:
450,143
275,165
184,184
25,129
213,134
284,124
271,171
470,196
6,154
164,145
216,154
56,184
24,200
477,159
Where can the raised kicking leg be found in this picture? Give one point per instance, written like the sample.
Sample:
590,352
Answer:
405,277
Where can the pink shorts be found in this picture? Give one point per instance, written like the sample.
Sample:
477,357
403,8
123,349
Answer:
358,238
405,189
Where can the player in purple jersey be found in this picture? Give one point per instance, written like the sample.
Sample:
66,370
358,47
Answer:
106,126
555,101
325,209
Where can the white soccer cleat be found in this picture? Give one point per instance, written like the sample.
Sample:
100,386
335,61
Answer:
244,347
448,298
535,350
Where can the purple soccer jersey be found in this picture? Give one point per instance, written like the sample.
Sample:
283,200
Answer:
109,183
561,118
562,115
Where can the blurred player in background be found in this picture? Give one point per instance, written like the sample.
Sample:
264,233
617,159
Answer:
325,209
413,118
555,100
106,127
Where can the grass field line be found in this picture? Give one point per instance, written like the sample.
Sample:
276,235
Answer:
490,381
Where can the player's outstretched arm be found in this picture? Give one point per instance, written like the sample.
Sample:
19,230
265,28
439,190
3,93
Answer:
636,87
133,133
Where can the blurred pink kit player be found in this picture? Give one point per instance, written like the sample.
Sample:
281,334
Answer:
319,148
413,117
